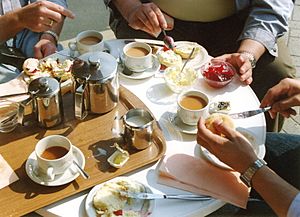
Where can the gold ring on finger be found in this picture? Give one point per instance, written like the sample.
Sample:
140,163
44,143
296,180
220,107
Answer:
51,22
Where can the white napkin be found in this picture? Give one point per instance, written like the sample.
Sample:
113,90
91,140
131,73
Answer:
7,175
17,85
200,177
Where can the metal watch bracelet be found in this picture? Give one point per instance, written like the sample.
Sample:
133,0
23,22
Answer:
246,177
53,34
250,57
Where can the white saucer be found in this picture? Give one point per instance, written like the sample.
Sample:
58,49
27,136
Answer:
214,160
182,127
145,74
70,174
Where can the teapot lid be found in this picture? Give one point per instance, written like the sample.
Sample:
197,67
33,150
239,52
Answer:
94,66
44,87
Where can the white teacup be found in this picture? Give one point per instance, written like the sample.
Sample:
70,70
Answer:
137,56
54,156
192,105
87,41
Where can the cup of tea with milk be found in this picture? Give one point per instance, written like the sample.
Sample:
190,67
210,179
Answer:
137,56
87,41
191,105
54,156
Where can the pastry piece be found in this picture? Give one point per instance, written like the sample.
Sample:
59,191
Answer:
48,68
169,58
184,49
218,116
30,66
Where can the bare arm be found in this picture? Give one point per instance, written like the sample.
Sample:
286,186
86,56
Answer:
275,191
237,152
35,17
241,61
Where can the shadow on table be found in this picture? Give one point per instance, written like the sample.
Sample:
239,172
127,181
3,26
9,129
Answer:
31,189
160,94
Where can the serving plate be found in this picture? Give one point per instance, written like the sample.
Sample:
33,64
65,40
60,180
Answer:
200,58
142,207
93,136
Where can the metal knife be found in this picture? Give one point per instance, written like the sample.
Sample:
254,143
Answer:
247,114
150,196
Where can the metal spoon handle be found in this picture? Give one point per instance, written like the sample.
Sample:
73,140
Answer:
81,171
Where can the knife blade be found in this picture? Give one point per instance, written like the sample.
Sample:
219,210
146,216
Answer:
150,196
247,114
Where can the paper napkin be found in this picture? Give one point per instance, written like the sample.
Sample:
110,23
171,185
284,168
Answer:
200,177
7,175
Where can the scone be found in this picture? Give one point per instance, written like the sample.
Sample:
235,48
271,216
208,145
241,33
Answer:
169,58
184,49
31,66
217,116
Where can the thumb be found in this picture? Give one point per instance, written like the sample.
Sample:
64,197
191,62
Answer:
223,128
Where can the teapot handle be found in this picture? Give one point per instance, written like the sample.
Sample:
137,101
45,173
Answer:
21,110
80,110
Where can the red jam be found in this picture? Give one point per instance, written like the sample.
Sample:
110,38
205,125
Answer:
118,212
220,72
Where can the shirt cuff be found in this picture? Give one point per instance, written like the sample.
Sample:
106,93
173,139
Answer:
107,2
294,209
262,36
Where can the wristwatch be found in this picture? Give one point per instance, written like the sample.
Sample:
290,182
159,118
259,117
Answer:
246,177
53,34
250,57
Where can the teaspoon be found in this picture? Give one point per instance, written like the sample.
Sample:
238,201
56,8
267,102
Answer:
81,171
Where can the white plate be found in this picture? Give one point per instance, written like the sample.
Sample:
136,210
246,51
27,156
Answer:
179,125
200,58
70,174
144,206
249,135
145,74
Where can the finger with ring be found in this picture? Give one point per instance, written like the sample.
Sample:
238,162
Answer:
51,22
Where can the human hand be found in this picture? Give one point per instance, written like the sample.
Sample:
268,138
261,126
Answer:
148,18
242,65
44,48
282,97
41,15
233,149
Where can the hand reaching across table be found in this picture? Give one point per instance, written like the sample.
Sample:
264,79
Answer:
142,16
283,97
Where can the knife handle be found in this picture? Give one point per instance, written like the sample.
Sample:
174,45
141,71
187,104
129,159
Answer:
187,197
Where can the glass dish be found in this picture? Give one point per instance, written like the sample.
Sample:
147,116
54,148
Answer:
218,73
8,116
